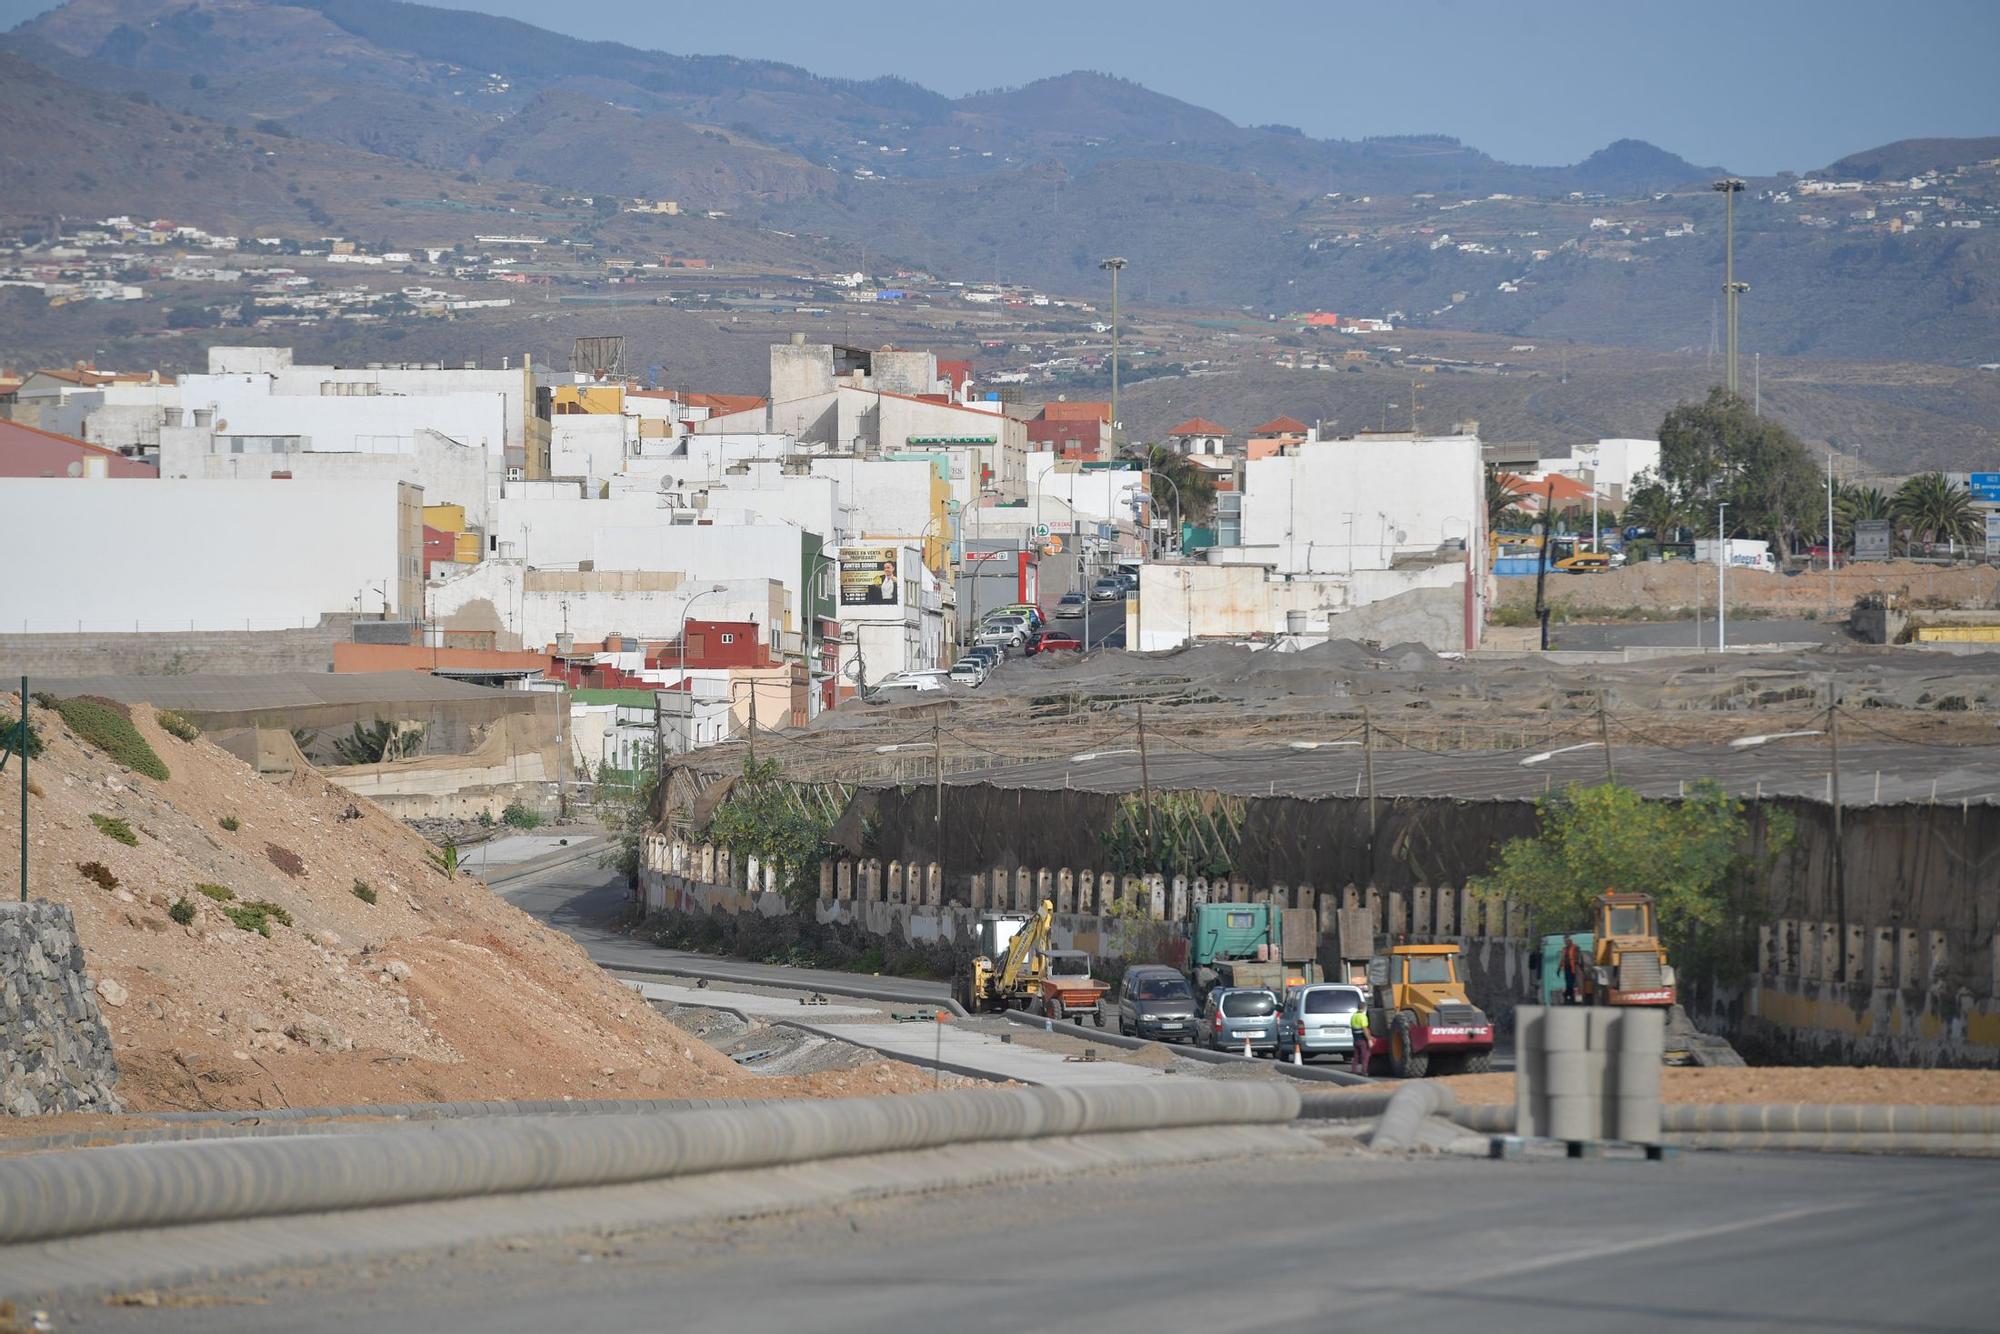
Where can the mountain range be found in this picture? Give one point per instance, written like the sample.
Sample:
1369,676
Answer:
1032,184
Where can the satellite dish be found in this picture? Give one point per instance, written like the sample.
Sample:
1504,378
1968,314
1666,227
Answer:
221,425
75,468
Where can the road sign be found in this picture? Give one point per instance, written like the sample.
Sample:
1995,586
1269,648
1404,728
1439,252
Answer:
1041,530
1871,539
1986,486
1053,547
1993,533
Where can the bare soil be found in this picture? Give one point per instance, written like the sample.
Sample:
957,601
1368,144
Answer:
1776,1084
1675,585
439,990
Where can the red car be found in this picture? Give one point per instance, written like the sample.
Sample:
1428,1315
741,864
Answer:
1817,555
1052,641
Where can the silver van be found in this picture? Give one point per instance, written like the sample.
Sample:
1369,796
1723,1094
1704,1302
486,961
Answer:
1317,1021
1236,1015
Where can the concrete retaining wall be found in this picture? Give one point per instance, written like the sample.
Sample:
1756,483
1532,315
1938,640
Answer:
177,652
55,1055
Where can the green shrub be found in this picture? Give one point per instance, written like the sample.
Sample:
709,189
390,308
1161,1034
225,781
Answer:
231,824
99,873
519,816
217,892
112,827
182,911
173,724
10,738
363,892
107,725
285,860
257,915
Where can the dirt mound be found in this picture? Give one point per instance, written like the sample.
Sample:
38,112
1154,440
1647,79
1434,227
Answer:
437,989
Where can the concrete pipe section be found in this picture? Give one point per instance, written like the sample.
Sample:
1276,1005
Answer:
99,1190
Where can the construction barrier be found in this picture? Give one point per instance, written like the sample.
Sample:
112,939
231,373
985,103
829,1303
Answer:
100,1190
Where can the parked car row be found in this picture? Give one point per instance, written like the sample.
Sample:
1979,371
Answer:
1155,1001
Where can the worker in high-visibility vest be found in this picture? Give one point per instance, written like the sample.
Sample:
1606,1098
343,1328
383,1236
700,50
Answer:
1357,1023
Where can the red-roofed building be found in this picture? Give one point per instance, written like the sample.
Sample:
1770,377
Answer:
1568,494
1274,437
1199,436
1078,431
29,451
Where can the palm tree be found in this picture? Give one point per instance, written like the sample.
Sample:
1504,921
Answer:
1935,509
1852,503
1653,506
1194,484
1503,509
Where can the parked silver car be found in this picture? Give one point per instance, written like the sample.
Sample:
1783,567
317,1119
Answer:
1235,1015
1316,1021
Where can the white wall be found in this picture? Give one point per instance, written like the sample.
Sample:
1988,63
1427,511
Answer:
909,636
1233,601
117,554
885,497
538,615
247,405
449,473
711,554
591,445
1430,490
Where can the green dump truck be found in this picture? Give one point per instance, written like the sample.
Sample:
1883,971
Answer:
1252,945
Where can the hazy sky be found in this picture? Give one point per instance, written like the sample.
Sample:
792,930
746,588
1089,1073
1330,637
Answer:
1754,85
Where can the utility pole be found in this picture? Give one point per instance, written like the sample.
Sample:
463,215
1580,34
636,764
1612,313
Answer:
1730,187
1756,384
1146,792
1368,771
1604,739
1115,263
1831,589
21,754
753,724
1837,863
937,776
1541,567
1416,390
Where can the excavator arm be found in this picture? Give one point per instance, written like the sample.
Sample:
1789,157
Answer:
1021,950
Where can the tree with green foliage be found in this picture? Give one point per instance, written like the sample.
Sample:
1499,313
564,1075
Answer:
1653,506
760,818
1689,854
378,742
1503,512
1853,504
1719,451
1933,508
626,811
1195,484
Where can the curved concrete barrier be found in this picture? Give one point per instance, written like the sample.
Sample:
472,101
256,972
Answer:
1193,1051
1831,1119
1409,1107
457,1110
101,1190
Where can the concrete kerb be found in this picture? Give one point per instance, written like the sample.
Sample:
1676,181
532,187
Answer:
89,1191
858,992
1110,1038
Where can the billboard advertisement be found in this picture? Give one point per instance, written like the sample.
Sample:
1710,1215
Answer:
868,577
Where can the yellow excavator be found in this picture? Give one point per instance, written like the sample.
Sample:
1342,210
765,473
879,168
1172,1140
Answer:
1013,968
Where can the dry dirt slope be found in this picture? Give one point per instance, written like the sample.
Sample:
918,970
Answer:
438,990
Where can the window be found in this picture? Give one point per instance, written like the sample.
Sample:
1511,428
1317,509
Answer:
1425,968
1331,1002
1249,1004
728,638
1163,988
1627,921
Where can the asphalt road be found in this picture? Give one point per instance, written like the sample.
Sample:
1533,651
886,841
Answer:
1309,1243
580,898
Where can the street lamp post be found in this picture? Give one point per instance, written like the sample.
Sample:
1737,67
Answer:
1721,580
1115,263
687,732
812,619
